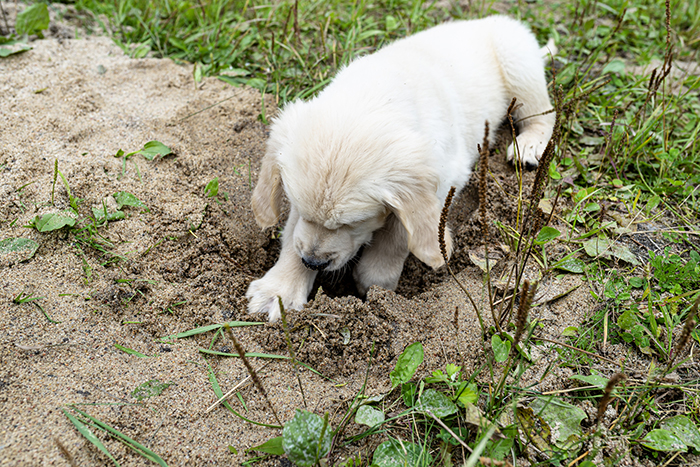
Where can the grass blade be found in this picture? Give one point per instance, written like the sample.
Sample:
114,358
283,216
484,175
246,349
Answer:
140,449
248,354
131,351
264,355
220,394
89,435
211,327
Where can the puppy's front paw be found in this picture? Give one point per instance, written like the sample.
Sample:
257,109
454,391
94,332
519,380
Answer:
531,145
263,296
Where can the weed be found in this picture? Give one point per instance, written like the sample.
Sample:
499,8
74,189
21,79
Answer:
22,298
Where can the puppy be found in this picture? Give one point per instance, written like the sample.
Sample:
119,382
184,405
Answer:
371,159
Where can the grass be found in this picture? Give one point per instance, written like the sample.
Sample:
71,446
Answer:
626,157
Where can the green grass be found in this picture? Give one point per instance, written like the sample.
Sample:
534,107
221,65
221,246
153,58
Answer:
627,155
286,50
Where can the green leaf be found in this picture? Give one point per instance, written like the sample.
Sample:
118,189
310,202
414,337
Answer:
501,348
272,446
13,47
452,370
99,214
438,377
564,419
125,198
197,73
546,235
55,221
212,188
663,440
627,320
408,393
615,66
469,395
89,435
232,72
597,246
407,364
306,438
233,80
33,20
652,204
592,380
151,150
19,249
591,140
368,415
600,246
390,23
396,453
141,51
437,403
684,429
573,265
149,389
623,252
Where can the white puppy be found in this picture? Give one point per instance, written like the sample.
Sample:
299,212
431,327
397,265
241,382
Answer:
371,159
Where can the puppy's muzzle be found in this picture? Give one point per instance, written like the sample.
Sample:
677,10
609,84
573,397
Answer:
315,264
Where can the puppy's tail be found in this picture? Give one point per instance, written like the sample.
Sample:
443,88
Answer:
549,50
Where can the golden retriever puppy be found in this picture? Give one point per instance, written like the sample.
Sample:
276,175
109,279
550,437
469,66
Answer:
369,161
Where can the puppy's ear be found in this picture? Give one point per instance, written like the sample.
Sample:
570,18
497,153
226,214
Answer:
267,195
419,213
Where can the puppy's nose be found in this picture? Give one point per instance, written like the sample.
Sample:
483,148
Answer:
315,264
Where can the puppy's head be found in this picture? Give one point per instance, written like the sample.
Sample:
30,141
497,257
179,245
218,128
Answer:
343,179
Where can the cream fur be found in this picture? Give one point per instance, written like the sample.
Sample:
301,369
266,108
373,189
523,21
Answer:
370,160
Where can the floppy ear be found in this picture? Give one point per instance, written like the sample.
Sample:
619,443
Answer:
267,195
419,213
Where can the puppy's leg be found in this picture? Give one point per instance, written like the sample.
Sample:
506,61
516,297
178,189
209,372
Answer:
523,71
288,279
382,261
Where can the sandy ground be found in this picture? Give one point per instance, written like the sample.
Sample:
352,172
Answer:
187,263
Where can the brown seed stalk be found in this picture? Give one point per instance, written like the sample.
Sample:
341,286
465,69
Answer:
685,334
527,293
483,170
443,223
607,395
292,354
609,143
251,371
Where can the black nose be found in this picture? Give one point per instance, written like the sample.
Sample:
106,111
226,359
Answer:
530,166
315,264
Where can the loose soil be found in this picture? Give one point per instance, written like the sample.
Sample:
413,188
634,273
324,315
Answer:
187,262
